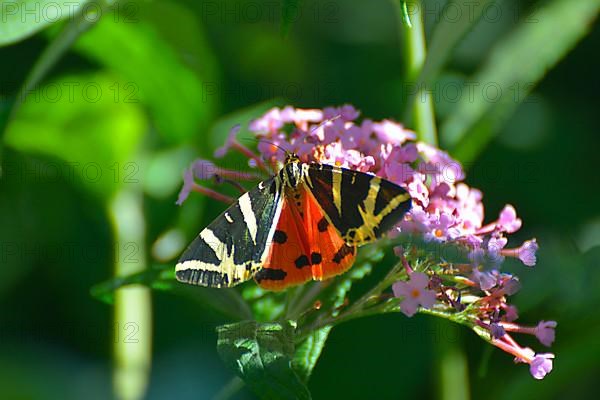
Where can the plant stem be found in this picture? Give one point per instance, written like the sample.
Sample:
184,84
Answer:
357,309
413,37
133,304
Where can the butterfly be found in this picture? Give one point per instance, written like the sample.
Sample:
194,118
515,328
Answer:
304,223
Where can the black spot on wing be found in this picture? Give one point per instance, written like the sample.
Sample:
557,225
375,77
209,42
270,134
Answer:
322,224
302,261
315,258
344,251
279,237
272,274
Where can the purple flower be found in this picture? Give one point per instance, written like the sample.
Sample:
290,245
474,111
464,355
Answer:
494,246
346,112
188,184
443,167
485,280
511,286
397,172
541,365
268,123
508,221
231,138
511,313
355,137
204,169
544,331
441,227
418,191
527,252
414,293
392,132
496,330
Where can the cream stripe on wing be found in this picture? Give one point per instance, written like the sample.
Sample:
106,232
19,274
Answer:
336,182
214,243
374,186
249,217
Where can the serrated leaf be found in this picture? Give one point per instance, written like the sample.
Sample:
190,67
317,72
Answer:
309,351
261,354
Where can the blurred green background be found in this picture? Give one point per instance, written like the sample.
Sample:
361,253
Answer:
119,100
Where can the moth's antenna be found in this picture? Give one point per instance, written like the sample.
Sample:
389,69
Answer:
271,143
273,165
276,145
326,121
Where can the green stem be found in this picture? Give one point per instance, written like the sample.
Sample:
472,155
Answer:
413,38
133,304
453,369
358,308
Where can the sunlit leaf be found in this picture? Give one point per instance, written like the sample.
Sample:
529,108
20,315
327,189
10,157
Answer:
261,354
171,91
77,120
23,18
307,354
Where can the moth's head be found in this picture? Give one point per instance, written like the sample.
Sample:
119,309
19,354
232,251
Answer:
291,158
291,173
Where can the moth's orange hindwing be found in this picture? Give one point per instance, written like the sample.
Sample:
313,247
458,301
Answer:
234,246
305,245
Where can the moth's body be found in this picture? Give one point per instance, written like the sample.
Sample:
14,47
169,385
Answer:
304,223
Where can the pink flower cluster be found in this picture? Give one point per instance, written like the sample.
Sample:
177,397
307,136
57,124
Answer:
444,210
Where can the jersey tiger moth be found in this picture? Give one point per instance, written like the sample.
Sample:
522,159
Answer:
303,223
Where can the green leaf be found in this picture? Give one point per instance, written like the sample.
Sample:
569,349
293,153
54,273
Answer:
405,14
261,354
23,18
78,23
77,120
173,93
514,66
447,34
162,277
309,352
290,11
